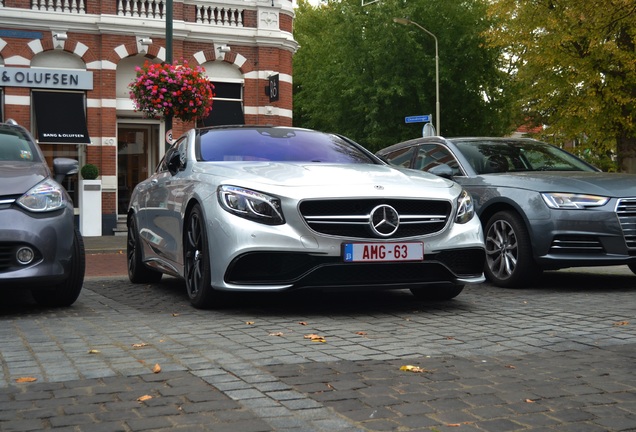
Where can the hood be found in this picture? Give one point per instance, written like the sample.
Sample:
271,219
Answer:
595,183
17,178
329,178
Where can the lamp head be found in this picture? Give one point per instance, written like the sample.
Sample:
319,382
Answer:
403,21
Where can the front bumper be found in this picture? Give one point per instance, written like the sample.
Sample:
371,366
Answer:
50,235
302,270
291,256
581,238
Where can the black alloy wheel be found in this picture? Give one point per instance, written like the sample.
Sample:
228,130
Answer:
197,261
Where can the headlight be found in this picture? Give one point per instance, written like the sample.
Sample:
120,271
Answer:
46,196
250,204
465,208
573,201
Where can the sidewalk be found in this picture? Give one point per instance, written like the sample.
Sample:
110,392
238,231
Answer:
105,256
105,244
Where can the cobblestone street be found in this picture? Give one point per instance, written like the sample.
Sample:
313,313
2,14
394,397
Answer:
560,357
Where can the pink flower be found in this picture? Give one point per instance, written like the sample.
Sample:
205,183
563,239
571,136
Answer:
170,89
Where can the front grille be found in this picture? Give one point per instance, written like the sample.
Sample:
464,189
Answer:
626,211
6,201
7,252
463,262
351,218
570,244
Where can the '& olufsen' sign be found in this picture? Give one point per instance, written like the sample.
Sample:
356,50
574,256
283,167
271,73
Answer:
63,79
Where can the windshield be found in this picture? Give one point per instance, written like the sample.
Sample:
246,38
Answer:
278,145
515,155
14,146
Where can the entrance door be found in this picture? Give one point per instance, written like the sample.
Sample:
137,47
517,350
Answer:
137,149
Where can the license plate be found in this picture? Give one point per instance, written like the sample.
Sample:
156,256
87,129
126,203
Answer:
373,252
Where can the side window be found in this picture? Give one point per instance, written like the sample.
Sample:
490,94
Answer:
401,157
431,155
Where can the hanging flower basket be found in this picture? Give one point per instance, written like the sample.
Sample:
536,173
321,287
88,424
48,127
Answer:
176,90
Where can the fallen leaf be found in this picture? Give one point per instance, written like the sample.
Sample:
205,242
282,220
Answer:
361,333
302,323
511,367
156,368
454,424
315,338
25,379
450,337
410,368
94,351
139,345
144,398
276,334
249,322
175,314
621,323
529,401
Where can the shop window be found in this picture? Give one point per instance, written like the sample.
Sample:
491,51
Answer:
60,128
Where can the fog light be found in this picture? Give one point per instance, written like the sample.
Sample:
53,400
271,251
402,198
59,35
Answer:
25,255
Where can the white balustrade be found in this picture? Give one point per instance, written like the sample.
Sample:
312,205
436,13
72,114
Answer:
66,6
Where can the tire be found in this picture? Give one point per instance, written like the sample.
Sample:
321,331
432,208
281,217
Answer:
435,292
138,272
632,267
509,260
197,261
65,293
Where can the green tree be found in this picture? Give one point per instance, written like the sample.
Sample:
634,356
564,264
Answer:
360,74
573,65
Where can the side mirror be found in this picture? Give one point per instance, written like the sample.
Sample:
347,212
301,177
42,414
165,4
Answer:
174,162
63,167
442,170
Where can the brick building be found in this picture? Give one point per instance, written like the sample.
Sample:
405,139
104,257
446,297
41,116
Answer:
65,68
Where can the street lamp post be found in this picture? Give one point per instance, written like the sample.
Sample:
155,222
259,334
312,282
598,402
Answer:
169,59
405,21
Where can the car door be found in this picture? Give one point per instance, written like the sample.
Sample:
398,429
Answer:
162,207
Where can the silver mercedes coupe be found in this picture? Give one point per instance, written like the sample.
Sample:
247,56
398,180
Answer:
254,208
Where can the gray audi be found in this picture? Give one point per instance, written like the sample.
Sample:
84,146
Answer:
541,207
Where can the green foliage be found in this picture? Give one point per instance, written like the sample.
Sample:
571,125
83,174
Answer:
573,64
89,172
360,74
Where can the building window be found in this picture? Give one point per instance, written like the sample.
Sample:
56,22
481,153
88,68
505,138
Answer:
227,108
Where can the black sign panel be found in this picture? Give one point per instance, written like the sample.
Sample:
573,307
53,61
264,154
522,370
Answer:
60,117
273,88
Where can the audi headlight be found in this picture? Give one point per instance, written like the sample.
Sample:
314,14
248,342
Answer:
44,197
465,208
251,205
573,201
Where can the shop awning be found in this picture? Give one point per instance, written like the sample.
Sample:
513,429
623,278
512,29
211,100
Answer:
225,113
60,117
